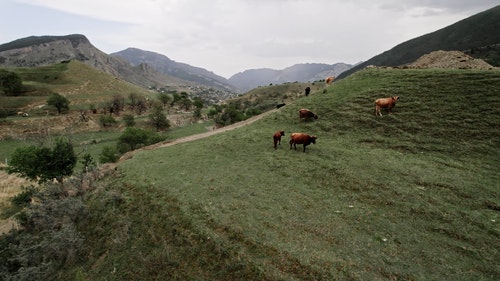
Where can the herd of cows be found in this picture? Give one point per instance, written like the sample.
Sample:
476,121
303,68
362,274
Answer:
306,114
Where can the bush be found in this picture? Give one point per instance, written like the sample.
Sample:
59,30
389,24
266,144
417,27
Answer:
129,120
24,197
107,121
134,138
109,155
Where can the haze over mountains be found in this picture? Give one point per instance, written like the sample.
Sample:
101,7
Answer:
477,35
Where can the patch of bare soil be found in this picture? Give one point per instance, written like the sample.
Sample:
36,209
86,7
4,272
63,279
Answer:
449,59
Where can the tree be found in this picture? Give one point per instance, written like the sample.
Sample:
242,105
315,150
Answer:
10,83
109,155
59,102
42,163
164,99
129,120
133,138
158,118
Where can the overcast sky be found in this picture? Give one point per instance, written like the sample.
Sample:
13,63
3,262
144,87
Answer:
230,36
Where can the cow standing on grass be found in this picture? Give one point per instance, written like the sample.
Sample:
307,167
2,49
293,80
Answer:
277,138
306,114
300,138
308,90
388,103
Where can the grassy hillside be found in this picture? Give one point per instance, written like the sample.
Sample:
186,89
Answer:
478,35
408,196
80,83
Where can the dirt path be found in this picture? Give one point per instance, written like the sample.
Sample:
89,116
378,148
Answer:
250,120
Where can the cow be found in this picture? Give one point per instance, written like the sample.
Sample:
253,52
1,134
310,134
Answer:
279,105
300,138
329,80
308,90
307,114
277,138
388,103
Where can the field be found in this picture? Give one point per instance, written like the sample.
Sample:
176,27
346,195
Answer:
413,195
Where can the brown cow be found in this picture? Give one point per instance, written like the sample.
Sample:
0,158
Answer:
388,103
300,138
329,80
307,114
277,137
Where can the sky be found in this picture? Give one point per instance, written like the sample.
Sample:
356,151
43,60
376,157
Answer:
231,36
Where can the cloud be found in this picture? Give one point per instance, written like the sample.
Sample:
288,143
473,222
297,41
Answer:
228,36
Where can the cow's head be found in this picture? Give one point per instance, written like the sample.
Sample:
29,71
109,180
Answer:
282,133
313,139
395,99
315,116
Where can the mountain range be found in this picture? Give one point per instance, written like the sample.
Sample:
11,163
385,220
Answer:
477,35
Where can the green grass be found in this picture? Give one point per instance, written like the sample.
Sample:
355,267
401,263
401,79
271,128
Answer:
80,83
408,196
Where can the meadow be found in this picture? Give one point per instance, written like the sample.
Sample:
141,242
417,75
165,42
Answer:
413,195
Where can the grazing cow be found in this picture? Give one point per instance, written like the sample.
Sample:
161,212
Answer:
307,114
277,138
308,90
388,103
329,80
300,138
280,105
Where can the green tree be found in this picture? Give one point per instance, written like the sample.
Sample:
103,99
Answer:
42,163
164,98
59,102
107,121
10,83
129,120
158,118
198,102
134,138
109,155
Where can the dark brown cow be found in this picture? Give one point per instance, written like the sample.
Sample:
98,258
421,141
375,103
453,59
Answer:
388,103
300,138
279,105
277,138
308,90
306,114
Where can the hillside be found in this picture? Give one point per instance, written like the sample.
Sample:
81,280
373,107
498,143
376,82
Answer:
36,51
163,64
407,196
306,72
476,35
84,86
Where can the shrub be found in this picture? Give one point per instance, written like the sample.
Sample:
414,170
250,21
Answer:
129,120
107,121
109,155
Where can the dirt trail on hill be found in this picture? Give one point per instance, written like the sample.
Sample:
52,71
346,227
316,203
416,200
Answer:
250,120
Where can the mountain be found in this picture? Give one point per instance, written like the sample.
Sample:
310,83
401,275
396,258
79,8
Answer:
184,71
472,35
45,50
305,72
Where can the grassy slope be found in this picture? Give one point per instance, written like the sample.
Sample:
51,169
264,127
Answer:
80,83
413,195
